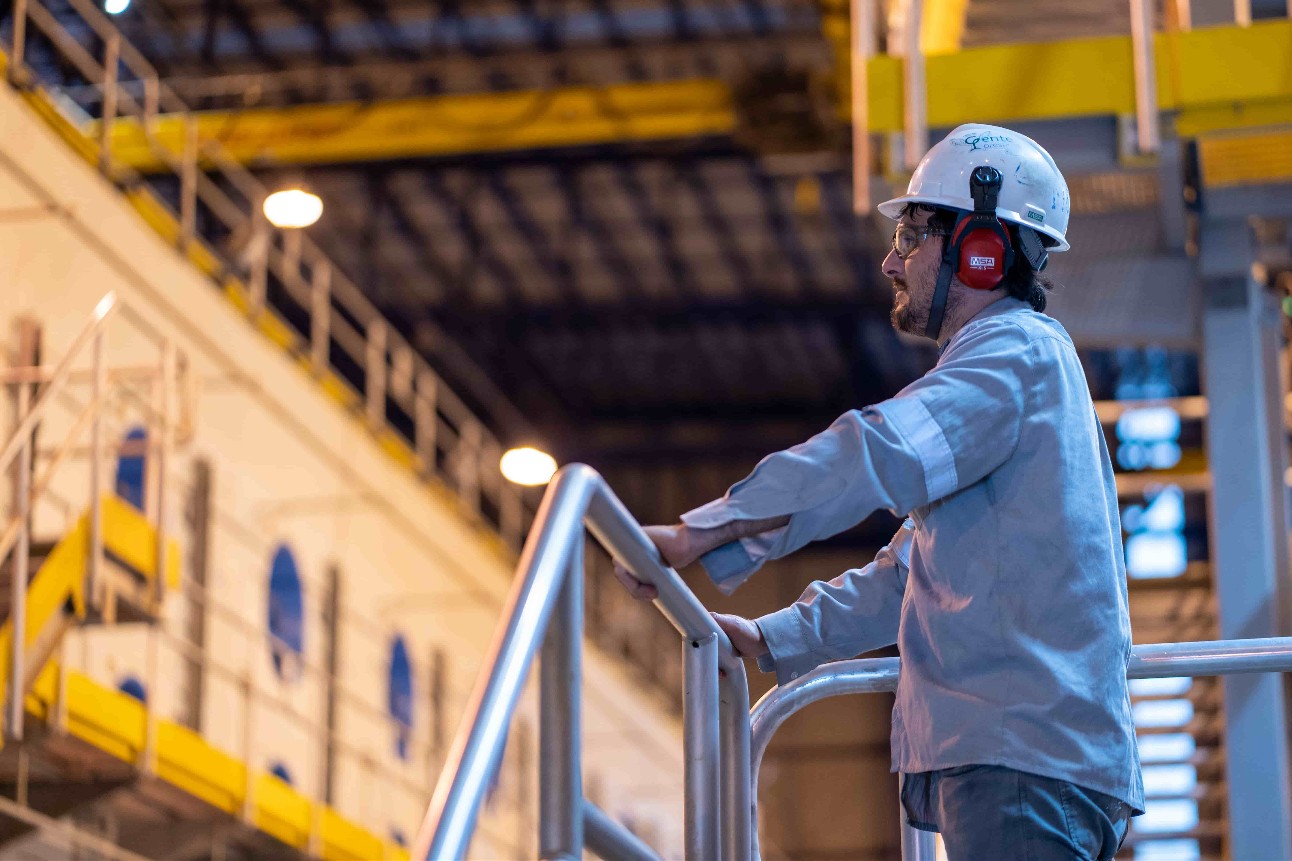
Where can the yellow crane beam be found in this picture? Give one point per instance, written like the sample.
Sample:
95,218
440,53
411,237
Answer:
1211,78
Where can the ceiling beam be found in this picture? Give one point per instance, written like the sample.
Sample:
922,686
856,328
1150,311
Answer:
1089,77
461,69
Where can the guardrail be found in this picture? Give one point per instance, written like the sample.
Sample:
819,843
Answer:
546,601
724,743
337,332
880,675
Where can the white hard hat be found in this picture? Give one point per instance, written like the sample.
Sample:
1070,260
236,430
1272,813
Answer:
1033,193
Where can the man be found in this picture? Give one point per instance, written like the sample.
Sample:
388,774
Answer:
1005,587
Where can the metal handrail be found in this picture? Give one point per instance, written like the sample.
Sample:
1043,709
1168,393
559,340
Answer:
548,583
103,312
308,276
880,675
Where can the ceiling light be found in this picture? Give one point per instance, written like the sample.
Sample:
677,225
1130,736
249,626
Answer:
115,7
528,466
293,208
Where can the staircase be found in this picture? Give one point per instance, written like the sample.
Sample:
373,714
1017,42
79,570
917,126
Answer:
113,564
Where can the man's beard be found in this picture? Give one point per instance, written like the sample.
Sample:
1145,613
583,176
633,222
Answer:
906,317
913,317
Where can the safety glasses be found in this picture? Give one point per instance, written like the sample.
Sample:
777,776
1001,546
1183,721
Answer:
907,238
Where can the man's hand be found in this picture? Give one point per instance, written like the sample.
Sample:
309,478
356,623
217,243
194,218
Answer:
679,545
676,547
744,634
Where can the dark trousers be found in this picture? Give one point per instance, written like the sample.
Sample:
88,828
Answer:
991,813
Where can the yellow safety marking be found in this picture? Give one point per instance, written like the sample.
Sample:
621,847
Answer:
117,724
339,390
394,445
1205,67
1242,115
1248,158
943,26
59,581
281,811
129,536
445,125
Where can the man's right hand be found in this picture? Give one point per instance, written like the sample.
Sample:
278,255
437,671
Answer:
677,547
744,634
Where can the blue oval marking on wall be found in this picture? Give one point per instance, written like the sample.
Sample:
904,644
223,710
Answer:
399,701
286,615
132,687
280,771
130,469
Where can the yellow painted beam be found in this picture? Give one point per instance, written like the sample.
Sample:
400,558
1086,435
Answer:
942,29
129,536
1255,157
1197,72
117,725
447,125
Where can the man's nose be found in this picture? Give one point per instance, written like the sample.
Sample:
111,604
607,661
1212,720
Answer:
894,266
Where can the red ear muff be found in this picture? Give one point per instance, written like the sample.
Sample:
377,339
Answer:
984,254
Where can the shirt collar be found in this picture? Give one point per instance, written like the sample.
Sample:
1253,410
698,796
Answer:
1004,305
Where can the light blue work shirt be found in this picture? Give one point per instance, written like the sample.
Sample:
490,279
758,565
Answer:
1005,588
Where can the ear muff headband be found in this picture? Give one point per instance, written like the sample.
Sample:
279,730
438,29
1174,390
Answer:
978,251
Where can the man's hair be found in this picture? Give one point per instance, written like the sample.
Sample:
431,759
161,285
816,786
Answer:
1021,281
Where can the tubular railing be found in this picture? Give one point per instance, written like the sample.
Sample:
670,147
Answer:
546,601
723,743
879,675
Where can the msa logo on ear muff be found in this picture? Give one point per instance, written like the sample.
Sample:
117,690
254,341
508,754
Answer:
982,262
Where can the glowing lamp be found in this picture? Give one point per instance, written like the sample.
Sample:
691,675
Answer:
528,466
293,208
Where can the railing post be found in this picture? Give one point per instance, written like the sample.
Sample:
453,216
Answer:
451,815
468,466
424,421
915,97
700,748
97,394
111,60
164,444
17,55
18,587
188,184
862,24
1148,137
152,95
152,672
560,793
375,385
737,803
511,510
320,317
258,254
248,728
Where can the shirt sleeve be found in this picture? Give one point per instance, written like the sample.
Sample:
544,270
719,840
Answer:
942,433
855,612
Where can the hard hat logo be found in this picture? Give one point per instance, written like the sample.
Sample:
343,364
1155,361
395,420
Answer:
977,142
982,263
1033,192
